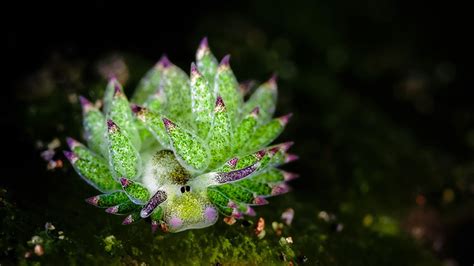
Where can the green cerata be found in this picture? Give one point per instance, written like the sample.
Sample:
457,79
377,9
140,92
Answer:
183,149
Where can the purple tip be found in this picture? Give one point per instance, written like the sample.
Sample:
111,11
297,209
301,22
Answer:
236,214
231,204
168,123
128,220
144,213
233,162
225,61
259,200
245,86
124,182
135,108
86,104
274,150
72,143
288,215
280,189
153,202
286,145
273,79
271,84
289,176
284,119
117,89
220,102
250,211
291,157
71,156
259,154
112,81
112,210
93,200
204,43
111,125
164,61
255,111
194,70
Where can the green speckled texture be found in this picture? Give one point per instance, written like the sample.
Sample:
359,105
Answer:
220,200
123,156
264,98
188,207
109,94
148,84
248,160
94,129
96,171
227,87
126,207
121,114
178,95
193,151
202,97
265,134
270,177
136,191
156,101
153,122
235,193
157,214
82,151
220,138
245,131
207,64
112,199
93,168
277,158
258,187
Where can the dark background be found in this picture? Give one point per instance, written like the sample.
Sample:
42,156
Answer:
379,90
415,38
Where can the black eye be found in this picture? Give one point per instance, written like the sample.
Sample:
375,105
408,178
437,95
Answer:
182,189
188,188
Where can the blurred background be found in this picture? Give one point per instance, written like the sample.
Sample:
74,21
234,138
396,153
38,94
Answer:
383,124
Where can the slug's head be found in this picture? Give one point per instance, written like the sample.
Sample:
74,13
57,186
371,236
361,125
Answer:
187,208
183,201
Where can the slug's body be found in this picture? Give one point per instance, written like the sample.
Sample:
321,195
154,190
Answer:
186,149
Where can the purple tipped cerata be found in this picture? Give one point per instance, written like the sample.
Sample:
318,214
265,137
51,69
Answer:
225,61
164,62
204,43
186,147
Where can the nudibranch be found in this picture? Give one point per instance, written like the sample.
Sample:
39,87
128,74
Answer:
184,149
